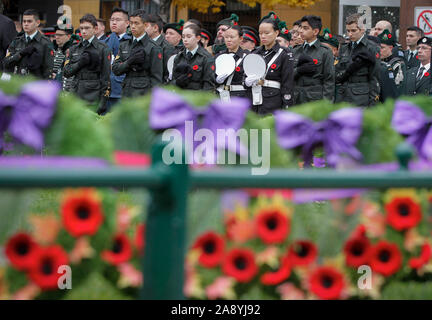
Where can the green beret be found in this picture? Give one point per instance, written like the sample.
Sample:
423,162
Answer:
387,38
328,37
175,26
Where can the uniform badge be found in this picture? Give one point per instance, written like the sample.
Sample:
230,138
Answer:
117,57
287,97
424,40
8,54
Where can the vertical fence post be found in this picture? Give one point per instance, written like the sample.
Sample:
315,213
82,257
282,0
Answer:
163,260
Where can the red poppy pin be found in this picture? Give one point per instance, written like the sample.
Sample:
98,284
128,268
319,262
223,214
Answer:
160,56
330,35
390,36
109,57
275,16
273,66
417,57
286,31
195,67
427,74
237,69
377,55
315,61
212,67
52,53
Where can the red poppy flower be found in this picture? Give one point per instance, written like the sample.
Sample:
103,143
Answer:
272,226
286,31
389,36
315,61
20,250
195,67
385,258
82,213
52,53
357,251
377,55
276,277
160,55
427,74
120,252
302,253
237,69
235,23
327,283
330,35
273,66
425,256
181,28
275,16
417,57
140,237
45,269
403,213
240,264
212,248
213,67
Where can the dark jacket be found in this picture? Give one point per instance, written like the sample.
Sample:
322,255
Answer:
399,72
59,61
321,85
282,71
91,82
7,34
167,52
422,87
113,43
239,76
202,76
39,63
413,62
387,84
362,87
139,79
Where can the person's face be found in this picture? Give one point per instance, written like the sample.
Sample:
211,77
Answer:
101,29
118,23
87,30
61,37
424,53
386,51
412,38
220,32
267,34
172,36
354,32
30,24
204,42
190,40
18,26
296,38
295,28
138,26
282,42
247,45
232,39
152,30
379,28
306,32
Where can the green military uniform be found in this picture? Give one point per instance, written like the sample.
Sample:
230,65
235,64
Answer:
319,84
200,73
419,79
387,84
357,73
34,57
167,51
329,38
141,61
91,80
395,62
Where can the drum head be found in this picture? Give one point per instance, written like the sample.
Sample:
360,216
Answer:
254,64
170,64
225,64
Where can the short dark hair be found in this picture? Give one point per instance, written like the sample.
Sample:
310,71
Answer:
101,20
238,29
354,18
195,21
273,22
196,29
157,20
117,9
141,13
90,19
32,12
314,21
297,23
419,31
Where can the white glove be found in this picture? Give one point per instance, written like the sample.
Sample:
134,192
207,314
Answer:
221,78
252,80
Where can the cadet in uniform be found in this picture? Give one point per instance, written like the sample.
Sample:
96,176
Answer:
206,38
31,52
65,39
285,36
419,78
357,72
173,34
89,62
140,58
396,62
154,29
250,38
315,72
413,35
221,27
7,34
278,84
194,67
233,83
330,41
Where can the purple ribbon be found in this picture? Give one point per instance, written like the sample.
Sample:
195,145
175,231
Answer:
24,116
171,111
409,120
338,134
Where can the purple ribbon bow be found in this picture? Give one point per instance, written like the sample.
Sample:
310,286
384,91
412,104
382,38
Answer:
24,116
169,110
338,134
410,120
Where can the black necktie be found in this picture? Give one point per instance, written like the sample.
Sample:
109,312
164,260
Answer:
410,56
134,42
189,56
354,45
420,74
28,39
85,43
